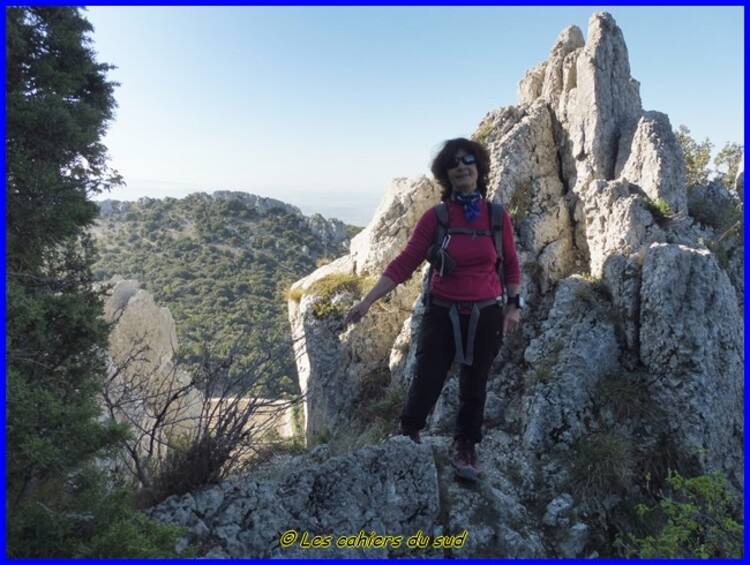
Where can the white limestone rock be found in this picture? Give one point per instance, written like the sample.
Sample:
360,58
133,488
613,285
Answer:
386,235
617,222
143,378
335,364
692,343
389,490
655,162
577,347
606,105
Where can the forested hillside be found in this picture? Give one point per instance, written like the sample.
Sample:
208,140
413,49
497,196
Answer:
219,262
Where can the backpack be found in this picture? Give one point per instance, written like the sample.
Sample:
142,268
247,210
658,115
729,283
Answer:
444,231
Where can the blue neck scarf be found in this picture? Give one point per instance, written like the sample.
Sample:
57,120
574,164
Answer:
470,203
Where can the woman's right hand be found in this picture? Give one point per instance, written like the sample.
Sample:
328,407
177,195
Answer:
356,313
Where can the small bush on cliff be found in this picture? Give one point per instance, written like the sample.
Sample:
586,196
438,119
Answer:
520,201
624,394
660,210
327,288
604,462
294,294
336,283
595,292
483,133
697,518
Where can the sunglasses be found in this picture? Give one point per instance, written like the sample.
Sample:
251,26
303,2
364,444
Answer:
467,159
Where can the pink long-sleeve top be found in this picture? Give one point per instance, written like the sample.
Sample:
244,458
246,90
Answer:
474,278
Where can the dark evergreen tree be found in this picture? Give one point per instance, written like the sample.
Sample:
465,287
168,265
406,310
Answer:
58,104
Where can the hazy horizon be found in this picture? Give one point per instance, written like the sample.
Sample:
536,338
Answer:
356,210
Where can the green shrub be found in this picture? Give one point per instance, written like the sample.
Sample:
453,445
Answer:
373,385
625,394
483,133
586,295
93,523
545,369
520,201
336,283
660,210
387,407
698,519
294,294
379,406
324,307
135,536
603,463
327,288
189,465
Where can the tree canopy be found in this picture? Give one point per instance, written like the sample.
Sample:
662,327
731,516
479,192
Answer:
220,264
698,160
58,104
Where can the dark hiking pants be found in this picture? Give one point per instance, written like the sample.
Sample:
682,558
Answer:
436,350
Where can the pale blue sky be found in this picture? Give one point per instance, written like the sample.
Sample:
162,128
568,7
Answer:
323,106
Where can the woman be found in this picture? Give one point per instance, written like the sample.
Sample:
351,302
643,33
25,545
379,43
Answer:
466,284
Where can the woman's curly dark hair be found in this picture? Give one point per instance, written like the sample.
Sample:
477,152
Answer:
445,158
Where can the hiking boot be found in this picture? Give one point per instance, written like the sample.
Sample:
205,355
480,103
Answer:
465,459
411,433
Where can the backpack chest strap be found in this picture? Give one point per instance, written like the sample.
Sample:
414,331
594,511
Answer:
468,231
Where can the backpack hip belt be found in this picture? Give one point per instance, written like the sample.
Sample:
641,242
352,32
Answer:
464,358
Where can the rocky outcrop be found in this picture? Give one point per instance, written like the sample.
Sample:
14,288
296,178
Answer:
629,362
148,390
330,357
392,500
654,162
525,177
384,490
405,201
692,337
145,388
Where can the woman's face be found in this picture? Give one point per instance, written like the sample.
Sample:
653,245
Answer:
463,176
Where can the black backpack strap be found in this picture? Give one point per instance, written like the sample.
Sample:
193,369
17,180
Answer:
441,211
496,221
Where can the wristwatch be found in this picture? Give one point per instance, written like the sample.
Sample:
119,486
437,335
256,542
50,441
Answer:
517,300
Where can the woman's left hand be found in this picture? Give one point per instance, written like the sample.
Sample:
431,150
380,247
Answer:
511,319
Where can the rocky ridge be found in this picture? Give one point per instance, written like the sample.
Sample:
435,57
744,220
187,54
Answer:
630,360
328,230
